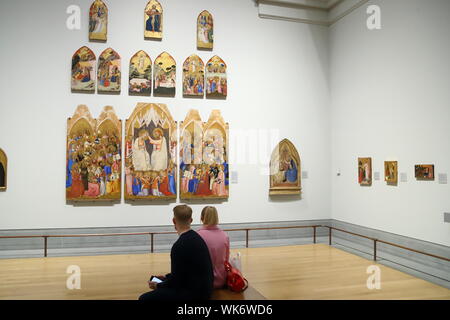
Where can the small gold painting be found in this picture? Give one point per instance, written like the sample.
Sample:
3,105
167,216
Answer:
153,20
205,31
365,171
285,178
3,170
424,171
391,172
98,21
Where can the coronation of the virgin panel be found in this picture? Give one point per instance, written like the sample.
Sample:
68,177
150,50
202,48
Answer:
140,76
285,171
204,166
98,21
205,30
93,166
109,71
216,78
153,20
150,153
3,170
83,70
165,71
193,77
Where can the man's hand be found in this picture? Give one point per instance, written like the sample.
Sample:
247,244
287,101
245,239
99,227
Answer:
152,285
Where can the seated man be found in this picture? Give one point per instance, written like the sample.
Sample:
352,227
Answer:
191,276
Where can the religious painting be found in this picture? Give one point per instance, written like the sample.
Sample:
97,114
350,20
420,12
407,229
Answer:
193,77
285,170
3,170
424,171
140,77
109,72
153,20
216,78
98,21
365,171
391,172
205,31
83,70
93,166
204,170
165,72
150,153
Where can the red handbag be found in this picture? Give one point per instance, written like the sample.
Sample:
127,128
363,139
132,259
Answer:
235,280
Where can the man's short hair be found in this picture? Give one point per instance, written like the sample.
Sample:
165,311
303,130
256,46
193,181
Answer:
182,214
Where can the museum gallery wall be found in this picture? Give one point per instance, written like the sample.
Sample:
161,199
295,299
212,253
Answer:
291,99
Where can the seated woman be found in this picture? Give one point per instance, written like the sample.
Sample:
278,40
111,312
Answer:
218,244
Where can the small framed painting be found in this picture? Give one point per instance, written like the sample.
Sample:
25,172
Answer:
365,171
285,170
109,72
216,78
424,171
391,172
140,78
205,31
165,73
98,21
83,70
153,20
193,77
3,170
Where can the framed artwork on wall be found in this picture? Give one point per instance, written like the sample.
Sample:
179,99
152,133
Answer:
216,78
165,73
3,170
205,31
109,72
83,70
391,172
285,169
93,165
150,153
140,74
365,171
98,21
204,169
193,77
153,20
424,171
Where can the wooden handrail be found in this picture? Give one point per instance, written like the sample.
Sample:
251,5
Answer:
382,241
152,234
247,230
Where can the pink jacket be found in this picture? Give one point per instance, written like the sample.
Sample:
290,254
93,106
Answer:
218,244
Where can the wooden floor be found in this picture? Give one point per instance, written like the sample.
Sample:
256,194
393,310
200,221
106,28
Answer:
292,272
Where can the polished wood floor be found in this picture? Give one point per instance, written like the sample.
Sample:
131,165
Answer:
292,272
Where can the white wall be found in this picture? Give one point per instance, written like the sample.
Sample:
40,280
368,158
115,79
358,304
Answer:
277,80
391,101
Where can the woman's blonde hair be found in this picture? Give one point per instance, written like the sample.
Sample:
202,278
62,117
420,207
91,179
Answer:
209,216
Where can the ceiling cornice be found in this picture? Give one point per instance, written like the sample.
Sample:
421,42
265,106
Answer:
321,12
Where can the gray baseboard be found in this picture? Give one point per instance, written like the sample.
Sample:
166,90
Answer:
421,266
